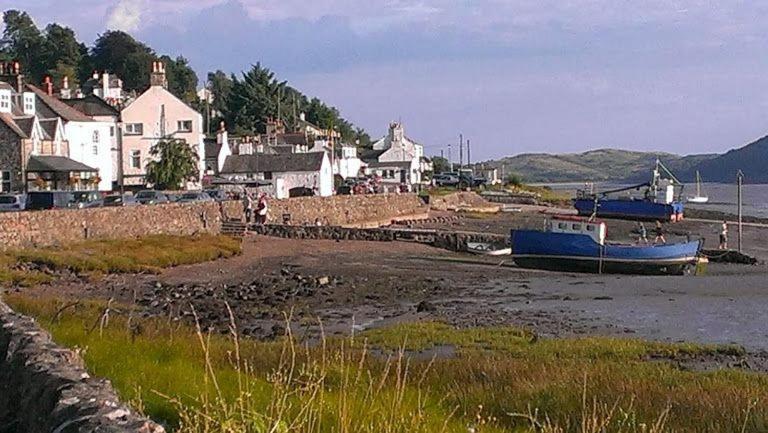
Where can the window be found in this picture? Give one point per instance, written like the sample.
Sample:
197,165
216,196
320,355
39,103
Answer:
95,149
135,159
29,103
111,131
562,226
134,129
95,136
267,175
577,227
590,228
5,181
184,126
5,101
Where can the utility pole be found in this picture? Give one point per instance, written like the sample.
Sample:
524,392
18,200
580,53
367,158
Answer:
450,161
461,151
740,183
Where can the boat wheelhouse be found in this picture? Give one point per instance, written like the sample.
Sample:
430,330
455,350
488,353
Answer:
576,244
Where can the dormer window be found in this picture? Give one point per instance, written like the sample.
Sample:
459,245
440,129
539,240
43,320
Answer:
5,101
29,103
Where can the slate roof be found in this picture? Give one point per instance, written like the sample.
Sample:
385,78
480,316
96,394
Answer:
92,105
6,86
291,139
11,123
390,164
59,108
371,154
26,124
49,127
212,148
49,163
259,163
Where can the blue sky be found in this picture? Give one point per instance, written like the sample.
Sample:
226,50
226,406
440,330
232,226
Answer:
514,76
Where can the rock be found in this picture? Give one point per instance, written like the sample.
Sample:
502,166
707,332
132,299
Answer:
323,281
425,307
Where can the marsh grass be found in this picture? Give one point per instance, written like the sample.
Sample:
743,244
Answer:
140,255
500,379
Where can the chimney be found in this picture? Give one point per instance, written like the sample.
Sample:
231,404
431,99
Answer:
65,92
48,86
105,85
303,116
158,79
95,75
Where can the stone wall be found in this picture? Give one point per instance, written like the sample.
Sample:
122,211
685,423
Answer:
55,227
341,210
44,387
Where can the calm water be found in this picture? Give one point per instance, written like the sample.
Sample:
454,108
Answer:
722,197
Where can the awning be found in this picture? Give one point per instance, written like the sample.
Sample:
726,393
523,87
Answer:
56,164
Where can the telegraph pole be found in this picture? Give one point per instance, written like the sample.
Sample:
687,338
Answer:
461,151
469,155
740,183
450,161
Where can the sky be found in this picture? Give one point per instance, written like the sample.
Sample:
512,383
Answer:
512,76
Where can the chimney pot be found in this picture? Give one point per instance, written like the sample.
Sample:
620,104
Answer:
95,75
65,83
16,67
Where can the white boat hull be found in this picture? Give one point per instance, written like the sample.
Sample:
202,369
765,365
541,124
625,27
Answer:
487,249
698,200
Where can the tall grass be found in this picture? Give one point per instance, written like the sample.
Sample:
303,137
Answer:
499,379
139,255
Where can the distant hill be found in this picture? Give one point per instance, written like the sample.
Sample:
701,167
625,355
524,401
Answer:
596,165
752,159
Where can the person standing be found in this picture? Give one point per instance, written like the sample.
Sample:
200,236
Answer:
643,234
659,234
247,207
724,236
262,209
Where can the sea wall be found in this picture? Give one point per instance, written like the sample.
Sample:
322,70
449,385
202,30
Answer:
341,210
44,387
454,241
57,227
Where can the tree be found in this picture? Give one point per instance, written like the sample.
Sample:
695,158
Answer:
182,80
254,98
174,162
23,42
220,86
121,54
440,164
514,180
62,54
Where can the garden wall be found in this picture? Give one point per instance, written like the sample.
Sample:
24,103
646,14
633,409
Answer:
56,227
44,387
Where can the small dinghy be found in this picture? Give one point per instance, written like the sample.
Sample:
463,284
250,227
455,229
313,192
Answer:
488,249
575,244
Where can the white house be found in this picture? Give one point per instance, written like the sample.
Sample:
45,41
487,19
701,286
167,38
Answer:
396,158
89,140
289,173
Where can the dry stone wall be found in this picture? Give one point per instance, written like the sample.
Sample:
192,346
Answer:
44,387
57,227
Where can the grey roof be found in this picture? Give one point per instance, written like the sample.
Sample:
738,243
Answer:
291,139
26,124
11,123
49,127
390,164
260,163
59,108
6,86
371,154
92,105
49,163
212,148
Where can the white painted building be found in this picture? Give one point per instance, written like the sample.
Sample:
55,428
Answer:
89,140
290,174
396,158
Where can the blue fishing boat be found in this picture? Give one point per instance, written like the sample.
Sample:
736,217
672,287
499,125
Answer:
659,201
575,244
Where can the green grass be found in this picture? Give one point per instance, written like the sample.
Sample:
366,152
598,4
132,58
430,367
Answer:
566,385
140,255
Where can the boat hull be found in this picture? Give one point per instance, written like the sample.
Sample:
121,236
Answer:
580,253
630,209
698,200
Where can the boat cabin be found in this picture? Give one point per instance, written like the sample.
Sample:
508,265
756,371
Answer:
594,229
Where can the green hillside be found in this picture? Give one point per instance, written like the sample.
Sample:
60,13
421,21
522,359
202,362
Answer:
595,165
751,159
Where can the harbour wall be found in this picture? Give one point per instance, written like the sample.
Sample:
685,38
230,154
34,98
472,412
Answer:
60,226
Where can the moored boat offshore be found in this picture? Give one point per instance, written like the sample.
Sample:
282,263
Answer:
575,244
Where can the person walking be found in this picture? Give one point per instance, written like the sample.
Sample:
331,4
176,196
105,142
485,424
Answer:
659,234
247,207
724,236
643,234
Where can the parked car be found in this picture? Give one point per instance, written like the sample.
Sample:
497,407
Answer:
38,200
446,179
467,179
12,202
87,199
152,197
120,200
194,197
217,194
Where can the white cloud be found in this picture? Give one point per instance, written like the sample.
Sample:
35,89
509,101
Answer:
126,15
